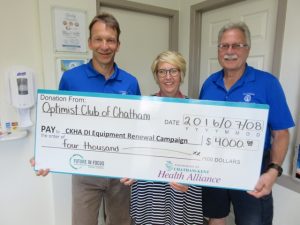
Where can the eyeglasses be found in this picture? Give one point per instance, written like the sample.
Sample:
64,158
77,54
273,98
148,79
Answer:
163,72
233,46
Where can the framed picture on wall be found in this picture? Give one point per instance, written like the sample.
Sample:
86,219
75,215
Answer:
69,28
296,171
64,64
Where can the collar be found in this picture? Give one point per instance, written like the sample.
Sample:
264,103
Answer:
247,76
179,95
91,72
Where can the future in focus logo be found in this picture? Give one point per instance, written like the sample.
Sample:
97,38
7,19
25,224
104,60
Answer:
77,161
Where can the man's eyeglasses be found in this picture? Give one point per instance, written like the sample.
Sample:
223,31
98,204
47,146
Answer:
163,72
233,46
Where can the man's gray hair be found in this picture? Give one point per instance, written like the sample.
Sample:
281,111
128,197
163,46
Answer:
236,25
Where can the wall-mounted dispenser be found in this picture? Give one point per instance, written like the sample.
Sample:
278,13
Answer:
21,92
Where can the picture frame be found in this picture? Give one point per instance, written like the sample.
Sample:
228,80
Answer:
296,170
64,64
69,30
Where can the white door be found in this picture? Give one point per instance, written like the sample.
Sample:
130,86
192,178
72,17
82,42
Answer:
259,15
143,37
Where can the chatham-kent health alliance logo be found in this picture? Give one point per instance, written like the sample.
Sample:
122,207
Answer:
169,165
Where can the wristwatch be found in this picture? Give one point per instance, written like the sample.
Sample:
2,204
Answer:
276,167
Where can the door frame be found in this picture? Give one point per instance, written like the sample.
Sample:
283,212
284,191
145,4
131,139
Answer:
172,15
195,35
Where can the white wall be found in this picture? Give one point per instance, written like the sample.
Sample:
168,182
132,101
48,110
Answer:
29,200
290,68
25,199
286,202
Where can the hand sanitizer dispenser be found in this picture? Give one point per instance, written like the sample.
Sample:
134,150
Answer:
21,90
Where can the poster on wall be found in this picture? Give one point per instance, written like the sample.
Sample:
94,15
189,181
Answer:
66,64
297,163
69,30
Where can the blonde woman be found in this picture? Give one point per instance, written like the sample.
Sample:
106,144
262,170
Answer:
156,203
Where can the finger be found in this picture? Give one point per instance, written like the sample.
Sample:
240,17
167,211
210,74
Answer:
42,172
123,180
255,194
46,172
259,186
179,187
174,184
39,173
258,194
32,162
129,182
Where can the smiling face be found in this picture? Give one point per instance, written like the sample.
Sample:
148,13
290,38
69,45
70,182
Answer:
233,59
170,82
104,44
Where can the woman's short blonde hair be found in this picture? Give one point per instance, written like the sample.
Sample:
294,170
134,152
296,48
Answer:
172,57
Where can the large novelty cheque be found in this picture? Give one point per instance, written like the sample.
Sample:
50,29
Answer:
207,143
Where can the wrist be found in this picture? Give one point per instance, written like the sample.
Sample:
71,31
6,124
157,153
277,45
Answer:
275,166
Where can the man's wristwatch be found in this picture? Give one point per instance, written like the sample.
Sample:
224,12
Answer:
276,167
